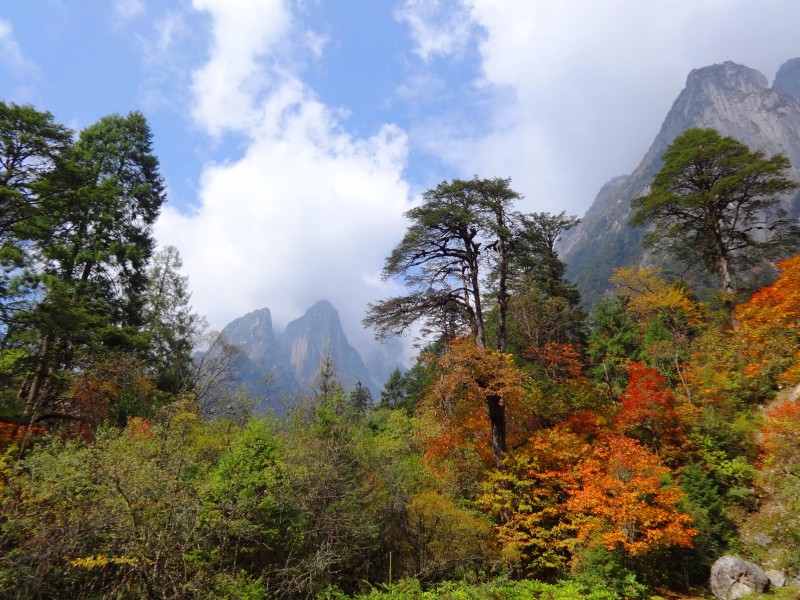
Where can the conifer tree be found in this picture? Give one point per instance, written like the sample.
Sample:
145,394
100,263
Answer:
716,202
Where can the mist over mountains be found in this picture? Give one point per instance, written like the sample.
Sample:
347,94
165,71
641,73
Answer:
275,366
735,100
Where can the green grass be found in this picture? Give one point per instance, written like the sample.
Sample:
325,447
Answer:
410,589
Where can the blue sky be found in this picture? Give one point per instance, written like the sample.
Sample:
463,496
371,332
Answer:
293,134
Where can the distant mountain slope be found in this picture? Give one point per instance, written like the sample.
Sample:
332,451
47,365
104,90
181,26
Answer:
261,367
318,332
277,366
731,98
253,333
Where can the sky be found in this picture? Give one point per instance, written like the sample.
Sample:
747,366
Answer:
294,134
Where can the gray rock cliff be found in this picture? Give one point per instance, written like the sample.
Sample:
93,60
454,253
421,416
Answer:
731,98
253,333
787,80
260,368
307,339
278,366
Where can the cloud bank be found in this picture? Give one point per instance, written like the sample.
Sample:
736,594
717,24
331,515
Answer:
307,211
581,87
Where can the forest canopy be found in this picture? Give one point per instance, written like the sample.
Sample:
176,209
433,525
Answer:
531,448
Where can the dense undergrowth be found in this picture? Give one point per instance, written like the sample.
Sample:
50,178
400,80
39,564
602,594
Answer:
596,497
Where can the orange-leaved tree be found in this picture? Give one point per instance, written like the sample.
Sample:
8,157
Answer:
527,500
624,500
13,433
780,434
769,326
474,383
562,362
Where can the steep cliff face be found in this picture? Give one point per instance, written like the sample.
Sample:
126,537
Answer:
733,99
318,332
736,101
253,333
260,368
787,80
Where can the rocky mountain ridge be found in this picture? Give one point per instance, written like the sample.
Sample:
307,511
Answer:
279,365
735,100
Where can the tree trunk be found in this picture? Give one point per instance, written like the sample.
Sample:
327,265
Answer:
497,419
502,287
728,290
36,382
480,328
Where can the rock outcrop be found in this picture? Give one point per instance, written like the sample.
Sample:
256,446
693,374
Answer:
776,578
253,333
787,80
318,332
733,578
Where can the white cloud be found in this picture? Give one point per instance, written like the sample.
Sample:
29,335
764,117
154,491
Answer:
308,211
316,43
587,84
438,27
127,10
168,28
157,48
10,50
228,87
163,57
572,94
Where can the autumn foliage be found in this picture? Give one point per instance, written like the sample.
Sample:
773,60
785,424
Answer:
528,500
624,500
769,325
780,432
11,433
648,411
562,362
531,464
457,401
650,295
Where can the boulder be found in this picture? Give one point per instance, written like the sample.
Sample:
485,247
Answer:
733,578
776,578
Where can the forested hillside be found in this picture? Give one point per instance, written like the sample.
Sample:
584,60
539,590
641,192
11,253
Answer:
532,450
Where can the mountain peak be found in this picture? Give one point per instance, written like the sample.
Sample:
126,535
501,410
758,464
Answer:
316,334
787,79
323,307
733,99
729,76
729,97
261,315
253,332
287,363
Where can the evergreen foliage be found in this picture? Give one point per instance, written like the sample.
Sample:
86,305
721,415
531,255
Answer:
717,203
522,456
77,240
